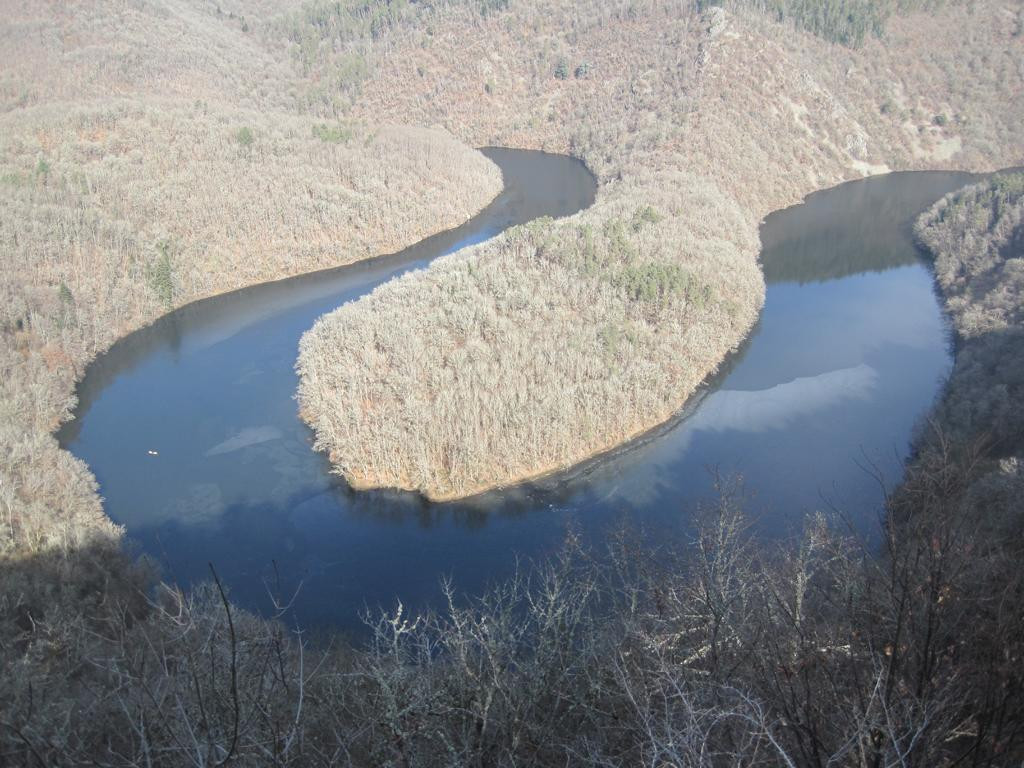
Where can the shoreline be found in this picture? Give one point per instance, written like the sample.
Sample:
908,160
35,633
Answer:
664,422
82,366
54,364
573,469
799,115
82,369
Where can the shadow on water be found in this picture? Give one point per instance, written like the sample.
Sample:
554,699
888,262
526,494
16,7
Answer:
848,354
873,240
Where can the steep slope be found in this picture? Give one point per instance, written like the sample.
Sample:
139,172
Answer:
593,330
153,153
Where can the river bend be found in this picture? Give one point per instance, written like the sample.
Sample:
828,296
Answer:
846,358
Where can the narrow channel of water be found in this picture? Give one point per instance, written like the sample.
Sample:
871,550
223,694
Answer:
848,355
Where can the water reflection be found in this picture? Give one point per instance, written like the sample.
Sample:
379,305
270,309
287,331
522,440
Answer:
777,407
877,238
847,355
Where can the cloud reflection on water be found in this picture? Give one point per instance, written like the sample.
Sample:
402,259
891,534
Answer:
247,437
776,407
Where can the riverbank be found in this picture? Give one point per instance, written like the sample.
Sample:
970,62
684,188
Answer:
103,666
976,237
804,652
151,155
118,213
573,353
545,346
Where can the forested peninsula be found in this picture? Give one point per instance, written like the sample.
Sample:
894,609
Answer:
562,340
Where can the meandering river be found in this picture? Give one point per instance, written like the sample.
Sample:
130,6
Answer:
190,425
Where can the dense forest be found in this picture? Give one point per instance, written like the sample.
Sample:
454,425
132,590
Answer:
155,152
725,652
848,22
728,651
562,340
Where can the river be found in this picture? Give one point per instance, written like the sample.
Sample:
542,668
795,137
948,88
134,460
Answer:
191,429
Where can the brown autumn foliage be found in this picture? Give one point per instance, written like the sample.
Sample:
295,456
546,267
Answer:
728,653
548,345
522,357
119,209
